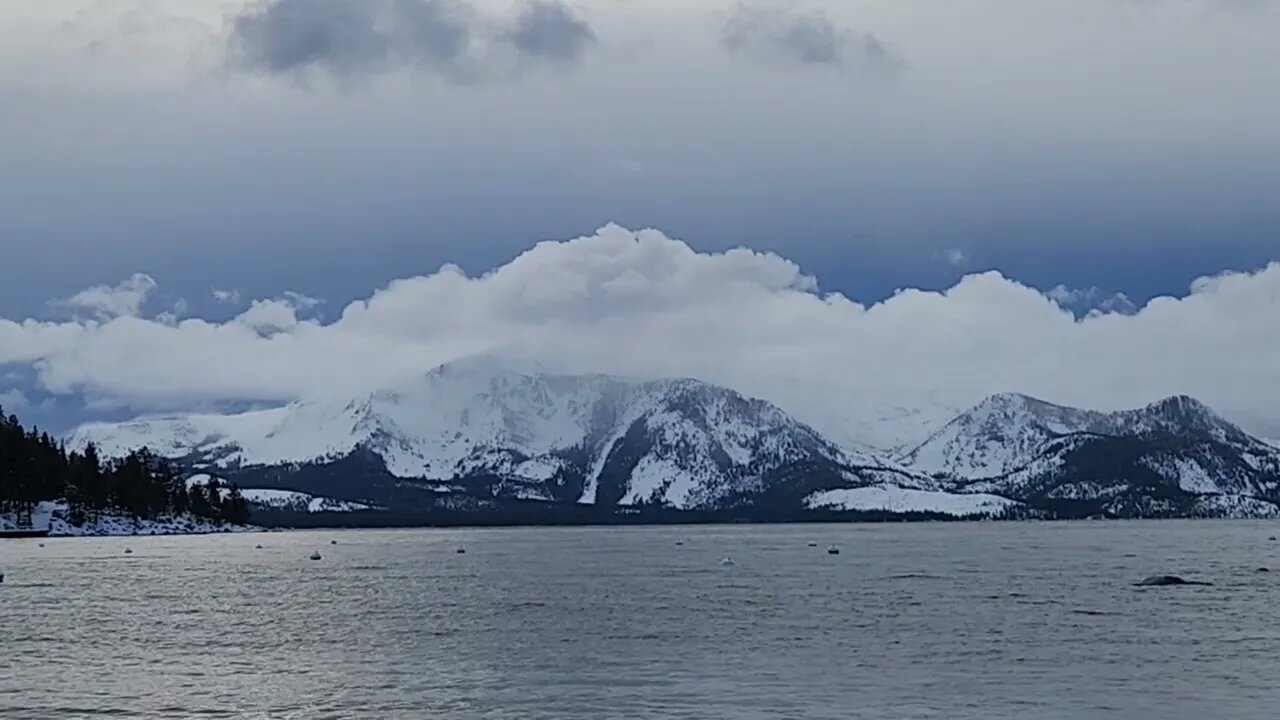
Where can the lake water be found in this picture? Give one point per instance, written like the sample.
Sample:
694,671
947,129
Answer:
981,620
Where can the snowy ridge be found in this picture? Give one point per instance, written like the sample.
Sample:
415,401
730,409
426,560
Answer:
477,431
1007,432
1172,458
1001,434
523,432
299,501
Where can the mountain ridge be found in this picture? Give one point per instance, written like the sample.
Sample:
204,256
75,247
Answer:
493,429
527,433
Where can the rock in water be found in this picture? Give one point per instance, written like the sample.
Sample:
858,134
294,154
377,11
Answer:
1161,580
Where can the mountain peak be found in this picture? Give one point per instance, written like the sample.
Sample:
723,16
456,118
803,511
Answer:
1007,431
1182,405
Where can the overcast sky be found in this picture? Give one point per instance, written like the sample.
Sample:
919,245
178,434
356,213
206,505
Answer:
173,159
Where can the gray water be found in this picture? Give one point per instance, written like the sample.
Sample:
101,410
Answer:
982,620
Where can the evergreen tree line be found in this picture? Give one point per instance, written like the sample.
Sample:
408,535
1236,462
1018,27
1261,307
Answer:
34,467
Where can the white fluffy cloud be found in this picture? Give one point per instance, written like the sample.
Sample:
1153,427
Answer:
230,297
104,302
642,303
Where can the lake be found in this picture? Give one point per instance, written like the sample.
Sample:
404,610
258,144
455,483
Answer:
945,620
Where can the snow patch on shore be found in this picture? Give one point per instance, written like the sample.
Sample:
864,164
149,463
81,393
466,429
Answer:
53,517
892,498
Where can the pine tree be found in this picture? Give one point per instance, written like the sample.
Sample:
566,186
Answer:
235,509
34,468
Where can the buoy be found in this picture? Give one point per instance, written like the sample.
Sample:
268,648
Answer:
833,550
679,542
128,551
41,544
315,555
460,550
726,562
813,544
333,542
257,547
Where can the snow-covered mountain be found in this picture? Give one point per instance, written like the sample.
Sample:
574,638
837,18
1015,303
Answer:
482,432
490,427
1002,433
1173,457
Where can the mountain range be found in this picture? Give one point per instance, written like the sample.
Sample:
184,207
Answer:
484,435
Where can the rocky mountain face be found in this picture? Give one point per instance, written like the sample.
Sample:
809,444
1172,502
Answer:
489,429
483,433
1173,458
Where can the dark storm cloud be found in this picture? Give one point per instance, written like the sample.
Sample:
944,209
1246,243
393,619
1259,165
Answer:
340,36
348,38
777,33
432,32
549,29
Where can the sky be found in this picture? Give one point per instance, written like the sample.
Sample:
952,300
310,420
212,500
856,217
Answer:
217,204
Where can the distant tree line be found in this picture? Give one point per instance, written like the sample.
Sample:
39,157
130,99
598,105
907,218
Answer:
34,468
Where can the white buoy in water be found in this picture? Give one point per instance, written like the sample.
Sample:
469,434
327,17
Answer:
315,555
726,561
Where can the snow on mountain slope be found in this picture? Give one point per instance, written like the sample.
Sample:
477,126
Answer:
527,432
304,502
897,499
1002,433
1006,432
1175,457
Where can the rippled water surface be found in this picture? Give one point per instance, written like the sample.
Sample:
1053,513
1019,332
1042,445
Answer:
983,620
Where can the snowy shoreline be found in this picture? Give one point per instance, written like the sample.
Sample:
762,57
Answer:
52,516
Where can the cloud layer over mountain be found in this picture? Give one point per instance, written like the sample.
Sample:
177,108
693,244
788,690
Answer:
642,303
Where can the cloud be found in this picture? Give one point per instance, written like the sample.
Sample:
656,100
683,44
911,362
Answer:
229,297
13,400
773,32
954,257
348,39
640,303
103,302
340,36
549,29
1091,300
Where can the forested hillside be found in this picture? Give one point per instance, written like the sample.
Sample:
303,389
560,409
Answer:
35,468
